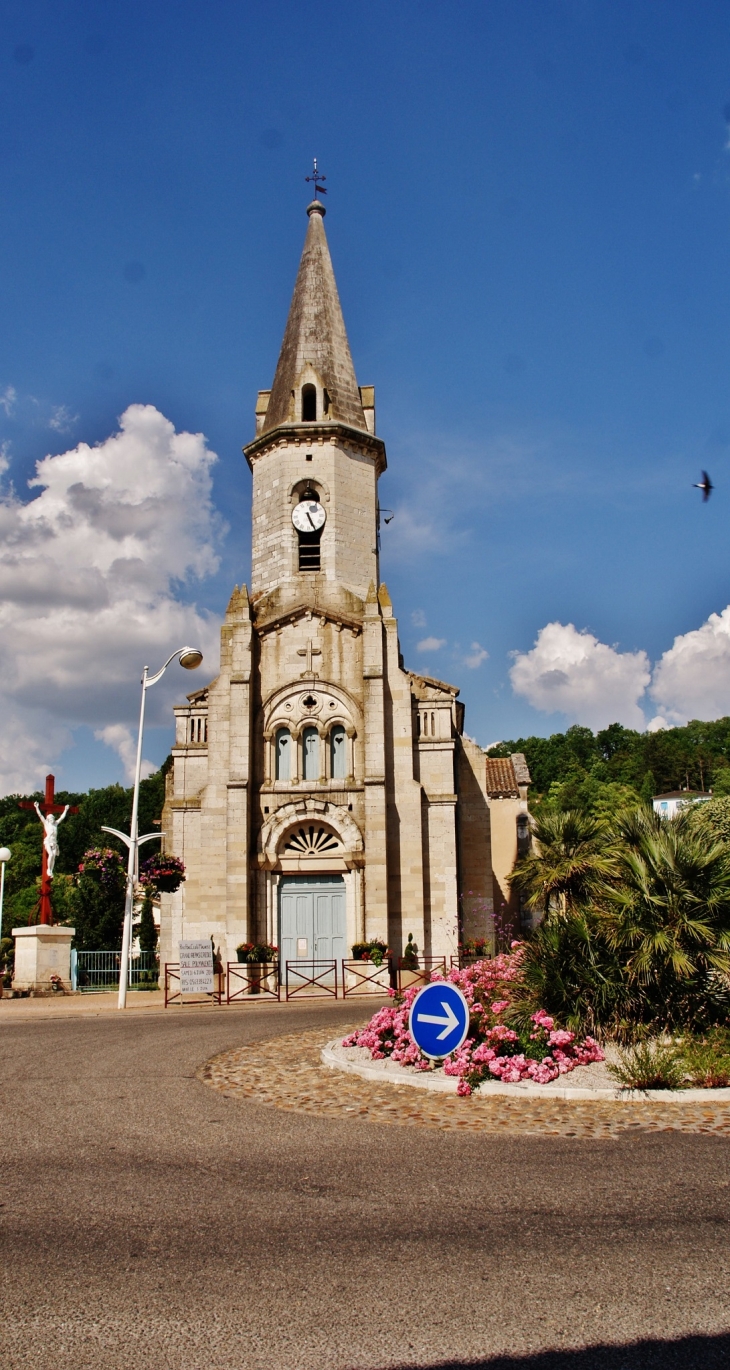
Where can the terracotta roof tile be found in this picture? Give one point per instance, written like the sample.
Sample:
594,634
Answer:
501,778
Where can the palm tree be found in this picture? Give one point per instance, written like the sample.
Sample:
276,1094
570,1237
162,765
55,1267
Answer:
571,861
669,913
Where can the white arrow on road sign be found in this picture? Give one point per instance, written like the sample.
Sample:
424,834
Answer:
449,1022
438,1020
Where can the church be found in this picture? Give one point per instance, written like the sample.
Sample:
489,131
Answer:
322,794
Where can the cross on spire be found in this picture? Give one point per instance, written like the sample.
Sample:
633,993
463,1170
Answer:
317,177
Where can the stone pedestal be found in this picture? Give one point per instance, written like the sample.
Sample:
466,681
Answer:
42,952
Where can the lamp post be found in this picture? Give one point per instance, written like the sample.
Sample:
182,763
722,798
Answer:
4,856
190,658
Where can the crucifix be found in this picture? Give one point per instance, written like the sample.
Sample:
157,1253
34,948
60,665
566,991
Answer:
311,650
46,812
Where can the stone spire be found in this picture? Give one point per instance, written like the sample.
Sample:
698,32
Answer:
315,340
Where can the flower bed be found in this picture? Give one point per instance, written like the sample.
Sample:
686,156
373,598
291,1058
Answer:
497,1047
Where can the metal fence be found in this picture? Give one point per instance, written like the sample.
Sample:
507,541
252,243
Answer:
173,992
311,979
252,977
464,959
364,977
418,971
93,972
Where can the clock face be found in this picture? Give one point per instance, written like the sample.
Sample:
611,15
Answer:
308,516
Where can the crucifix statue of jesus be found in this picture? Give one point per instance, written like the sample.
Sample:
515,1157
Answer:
46,812
50,841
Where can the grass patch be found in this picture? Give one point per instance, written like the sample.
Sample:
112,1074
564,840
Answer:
706,1059
688,1063
649,1065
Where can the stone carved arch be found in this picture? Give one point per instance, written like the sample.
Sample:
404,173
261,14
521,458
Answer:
284,708
301,483
284,826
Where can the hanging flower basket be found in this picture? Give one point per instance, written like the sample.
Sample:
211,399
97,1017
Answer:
102,864
163,873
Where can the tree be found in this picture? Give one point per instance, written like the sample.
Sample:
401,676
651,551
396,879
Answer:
147,927
98,904
570,863
669,915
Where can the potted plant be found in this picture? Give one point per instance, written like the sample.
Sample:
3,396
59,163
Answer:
410,953
374,950
165,873
257,953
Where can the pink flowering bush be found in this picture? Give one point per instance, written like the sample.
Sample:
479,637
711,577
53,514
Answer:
496,1048
387,1033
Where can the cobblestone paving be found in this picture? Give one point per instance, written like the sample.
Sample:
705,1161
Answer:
287,1073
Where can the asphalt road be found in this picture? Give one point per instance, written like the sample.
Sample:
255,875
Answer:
149,1222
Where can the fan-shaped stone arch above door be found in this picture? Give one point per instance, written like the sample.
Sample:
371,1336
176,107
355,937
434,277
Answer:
310,835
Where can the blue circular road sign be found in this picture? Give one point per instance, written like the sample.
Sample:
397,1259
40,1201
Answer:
439,1019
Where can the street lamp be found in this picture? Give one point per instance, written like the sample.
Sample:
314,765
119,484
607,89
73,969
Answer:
4,856
190,658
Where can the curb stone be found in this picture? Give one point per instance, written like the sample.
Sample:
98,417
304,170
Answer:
394,1074
288,1073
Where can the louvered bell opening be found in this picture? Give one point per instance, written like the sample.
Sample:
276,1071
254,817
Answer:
309,551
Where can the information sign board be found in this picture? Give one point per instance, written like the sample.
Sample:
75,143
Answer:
439,1019
196,966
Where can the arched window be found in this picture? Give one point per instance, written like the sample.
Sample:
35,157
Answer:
283,754
310,746
309,404
337,753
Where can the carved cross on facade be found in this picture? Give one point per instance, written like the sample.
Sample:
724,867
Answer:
311,650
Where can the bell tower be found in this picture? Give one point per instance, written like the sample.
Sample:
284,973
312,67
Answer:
318,784
315,458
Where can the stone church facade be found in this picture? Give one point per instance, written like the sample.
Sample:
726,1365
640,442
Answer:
321,793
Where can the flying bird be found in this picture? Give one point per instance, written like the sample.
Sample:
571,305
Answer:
705,485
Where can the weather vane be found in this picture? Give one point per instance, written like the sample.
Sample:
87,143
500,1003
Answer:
317,177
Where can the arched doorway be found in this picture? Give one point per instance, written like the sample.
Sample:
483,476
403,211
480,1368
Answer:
312,918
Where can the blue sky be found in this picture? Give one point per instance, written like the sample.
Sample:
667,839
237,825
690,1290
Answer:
529,217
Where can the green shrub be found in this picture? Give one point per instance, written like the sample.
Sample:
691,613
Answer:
570,970
649,1065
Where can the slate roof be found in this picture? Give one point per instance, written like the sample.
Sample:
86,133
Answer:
315,334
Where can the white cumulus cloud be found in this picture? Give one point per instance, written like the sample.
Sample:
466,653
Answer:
475,656
692,678
124,743
91,570
571,672
430,644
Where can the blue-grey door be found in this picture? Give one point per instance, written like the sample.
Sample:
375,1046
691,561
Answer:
312,918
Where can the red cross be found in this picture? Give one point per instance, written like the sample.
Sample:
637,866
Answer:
48,806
